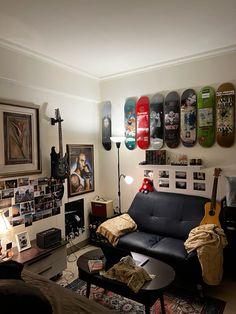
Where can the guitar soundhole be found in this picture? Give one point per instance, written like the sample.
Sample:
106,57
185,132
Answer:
211,212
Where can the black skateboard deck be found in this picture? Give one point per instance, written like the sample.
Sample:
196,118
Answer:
130,123
157,121
188,118
106,125
172,119
225,121
206,116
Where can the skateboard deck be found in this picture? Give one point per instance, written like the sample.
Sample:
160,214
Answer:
206,116
130,123
143,122
106,125
157,121
172,119
225,107
188,118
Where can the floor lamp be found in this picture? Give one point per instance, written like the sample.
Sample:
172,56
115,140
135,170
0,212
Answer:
118,140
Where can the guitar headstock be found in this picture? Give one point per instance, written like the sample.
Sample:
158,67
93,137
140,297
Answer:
217,172
57,117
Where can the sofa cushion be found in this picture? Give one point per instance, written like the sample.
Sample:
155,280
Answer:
138,241
167,214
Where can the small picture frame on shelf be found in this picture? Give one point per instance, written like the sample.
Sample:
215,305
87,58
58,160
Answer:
23,241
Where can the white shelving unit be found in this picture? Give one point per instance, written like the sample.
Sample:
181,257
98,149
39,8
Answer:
174,167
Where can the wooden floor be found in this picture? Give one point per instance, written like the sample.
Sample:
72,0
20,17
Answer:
225,291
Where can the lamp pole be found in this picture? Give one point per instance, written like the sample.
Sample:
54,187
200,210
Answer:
118,155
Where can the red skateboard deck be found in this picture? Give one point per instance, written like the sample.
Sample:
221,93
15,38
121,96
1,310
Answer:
188,118
143,122
130,123
225,107
106,125
172,119
157,121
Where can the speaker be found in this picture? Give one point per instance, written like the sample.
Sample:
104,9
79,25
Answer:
102,208
48,238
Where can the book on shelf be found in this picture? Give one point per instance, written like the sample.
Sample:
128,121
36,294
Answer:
95,265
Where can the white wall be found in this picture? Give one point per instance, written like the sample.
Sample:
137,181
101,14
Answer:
195,74
25,78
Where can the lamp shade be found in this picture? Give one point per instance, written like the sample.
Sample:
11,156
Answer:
4,224
129,179
117,139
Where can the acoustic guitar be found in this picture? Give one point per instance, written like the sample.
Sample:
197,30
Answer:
59,164
212,209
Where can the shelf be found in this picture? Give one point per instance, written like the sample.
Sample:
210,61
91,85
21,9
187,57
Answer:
175,167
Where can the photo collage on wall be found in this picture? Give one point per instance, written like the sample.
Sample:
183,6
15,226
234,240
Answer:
199,181
25,201
182,179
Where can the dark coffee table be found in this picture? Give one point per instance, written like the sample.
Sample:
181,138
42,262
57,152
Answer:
147,295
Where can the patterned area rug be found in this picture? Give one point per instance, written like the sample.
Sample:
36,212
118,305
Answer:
175,302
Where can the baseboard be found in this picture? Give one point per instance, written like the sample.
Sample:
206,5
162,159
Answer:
71,247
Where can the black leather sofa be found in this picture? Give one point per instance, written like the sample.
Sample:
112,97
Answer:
164,221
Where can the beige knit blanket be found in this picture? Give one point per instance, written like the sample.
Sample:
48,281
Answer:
127,272
115,227
209,241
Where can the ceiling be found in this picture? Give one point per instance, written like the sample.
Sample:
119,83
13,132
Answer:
103,38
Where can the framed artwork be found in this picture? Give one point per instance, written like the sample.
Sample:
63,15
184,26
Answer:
19,138
81,165
23,241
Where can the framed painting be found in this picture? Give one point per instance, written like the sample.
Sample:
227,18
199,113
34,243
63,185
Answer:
19,138
81,165
23,241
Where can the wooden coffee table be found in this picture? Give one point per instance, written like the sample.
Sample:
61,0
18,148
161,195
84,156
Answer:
147,295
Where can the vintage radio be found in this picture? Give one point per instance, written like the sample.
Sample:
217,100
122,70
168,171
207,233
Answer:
48,238
102,208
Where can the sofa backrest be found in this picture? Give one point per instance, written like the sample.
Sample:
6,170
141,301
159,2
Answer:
167,214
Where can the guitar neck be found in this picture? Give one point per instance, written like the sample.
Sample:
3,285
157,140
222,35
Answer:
60,139
214,191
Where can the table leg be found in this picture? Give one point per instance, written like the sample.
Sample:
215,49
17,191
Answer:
163,311
88,289
147,309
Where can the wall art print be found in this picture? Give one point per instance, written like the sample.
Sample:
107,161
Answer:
81,165
19,138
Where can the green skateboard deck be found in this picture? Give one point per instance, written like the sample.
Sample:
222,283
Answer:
172,119
206,116
157,121
225,107
130,123
143,122
188,118
106,125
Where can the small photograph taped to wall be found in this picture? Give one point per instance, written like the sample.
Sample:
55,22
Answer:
199,176
164,174
164,184
181,185
180,174
199,186
148,174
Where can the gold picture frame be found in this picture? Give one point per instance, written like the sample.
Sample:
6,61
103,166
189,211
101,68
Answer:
19,138
81,166
23,241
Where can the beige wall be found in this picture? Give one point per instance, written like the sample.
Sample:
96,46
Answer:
195,74
25,78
